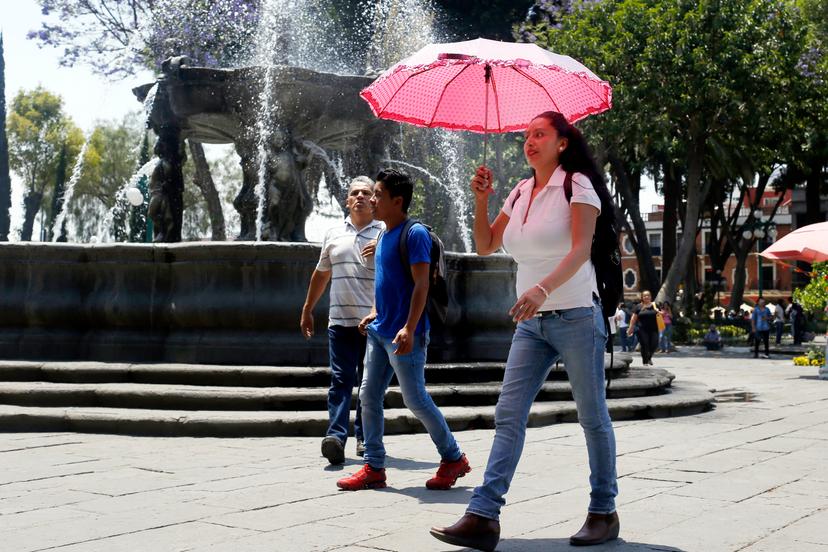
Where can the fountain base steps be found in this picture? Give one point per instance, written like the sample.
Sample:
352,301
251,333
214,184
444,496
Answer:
233,401
680,400
251,376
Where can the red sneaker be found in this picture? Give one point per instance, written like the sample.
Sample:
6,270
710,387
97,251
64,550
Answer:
448,473
366,478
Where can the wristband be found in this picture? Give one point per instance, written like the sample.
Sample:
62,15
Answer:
543,290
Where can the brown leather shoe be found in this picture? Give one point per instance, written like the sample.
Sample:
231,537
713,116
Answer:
471,531
598,528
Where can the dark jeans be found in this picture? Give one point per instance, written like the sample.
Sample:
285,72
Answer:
346,347
764,335
649,343
624,339
779,327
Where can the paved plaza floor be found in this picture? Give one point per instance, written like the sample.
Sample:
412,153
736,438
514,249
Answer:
750,475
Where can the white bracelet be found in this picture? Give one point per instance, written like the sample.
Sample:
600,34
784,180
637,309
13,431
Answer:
543,289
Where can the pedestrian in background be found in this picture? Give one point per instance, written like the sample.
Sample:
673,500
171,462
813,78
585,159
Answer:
779,319
346,260
760,321
644,322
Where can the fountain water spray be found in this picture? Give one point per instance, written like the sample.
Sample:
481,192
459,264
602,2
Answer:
456,196
120,198
77,170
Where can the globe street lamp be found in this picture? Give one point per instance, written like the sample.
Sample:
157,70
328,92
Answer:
136,197
758,229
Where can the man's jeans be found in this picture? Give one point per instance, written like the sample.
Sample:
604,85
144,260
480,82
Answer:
624,339
380,366
346,347
779,326
577,337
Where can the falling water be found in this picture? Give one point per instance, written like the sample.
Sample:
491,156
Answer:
149,100
77,170
316,150
104,229
457,199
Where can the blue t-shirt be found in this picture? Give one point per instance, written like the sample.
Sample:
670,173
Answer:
761,317
392,287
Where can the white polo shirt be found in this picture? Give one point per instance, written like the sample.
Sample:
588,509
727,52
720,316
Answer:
352,277
539,244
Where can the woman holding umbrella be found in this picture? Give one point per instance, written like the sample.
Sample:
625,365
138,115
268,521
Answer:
558,317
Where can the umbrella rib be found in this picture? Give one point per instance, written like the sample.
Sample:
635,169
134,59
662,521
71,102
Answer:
400,87
439,101
542,87
497,103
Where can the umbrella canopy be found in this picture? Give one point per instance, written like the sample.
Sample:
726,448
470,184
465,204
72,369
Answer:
809,244
485,86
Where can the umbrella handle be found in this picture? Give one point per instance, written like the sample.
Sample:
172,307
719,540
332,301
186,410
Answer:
488,77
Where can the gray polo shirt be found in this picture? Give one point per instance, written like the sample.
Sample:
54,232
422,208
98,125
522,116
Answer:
352,277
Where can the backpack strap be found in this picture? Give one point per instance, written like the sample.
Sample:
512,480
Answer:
568,187
409,223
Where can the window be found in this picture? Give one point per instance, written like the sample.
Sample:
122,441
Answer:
707,246
768,277
627,246
655,242
630,278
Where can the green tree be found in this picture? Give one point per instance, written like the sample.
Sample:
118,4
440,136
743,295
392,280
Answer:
5,176
697,87
111,157
814,296
38,129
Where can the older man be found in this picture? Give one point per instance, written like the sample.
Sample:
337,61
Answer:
346,261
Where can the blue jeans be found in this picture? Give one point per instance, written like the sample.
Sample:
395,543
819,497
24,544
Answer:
346,348
665,342
380,366
624,339
576,336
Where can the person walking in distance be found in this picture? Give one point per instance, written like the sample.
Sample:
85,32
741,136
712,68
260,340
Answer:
346,261
645,321
779,320
760,320
621,323
549,233
397,330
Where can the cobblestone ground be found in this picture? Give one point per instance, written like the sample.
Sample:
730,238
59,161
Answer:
749,475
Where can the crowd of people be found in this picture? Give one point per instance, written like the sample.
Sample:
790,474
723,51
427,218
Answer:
649,326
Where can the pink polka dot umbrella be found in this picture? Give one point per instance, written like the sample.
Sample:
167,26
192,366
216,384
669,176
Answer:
485,86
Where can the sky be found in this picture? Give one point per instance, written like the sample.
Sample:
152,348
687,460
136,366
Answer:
87,97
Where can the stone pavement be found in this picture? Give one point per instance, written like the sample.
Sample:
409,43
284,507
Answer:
749,475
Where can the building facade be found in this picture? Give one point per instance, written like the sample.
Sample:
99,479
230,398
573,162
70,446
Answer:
774,280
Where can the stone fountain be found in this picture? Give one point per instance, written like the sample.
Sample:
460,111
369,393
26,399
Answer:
316,114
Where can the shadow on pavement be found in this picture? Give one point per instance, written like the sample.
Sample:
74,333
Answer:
554,545
457,495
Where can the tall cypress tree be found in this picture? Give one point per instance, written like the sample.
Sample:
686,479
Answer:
5,177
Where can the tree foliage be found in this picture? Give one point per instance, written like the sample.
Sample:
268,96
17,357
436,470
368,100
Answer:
814,296
702,94
117,37
38,129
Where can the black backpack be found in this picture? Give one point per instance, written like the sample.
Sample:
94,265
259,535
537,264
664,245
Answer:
605,254
438,298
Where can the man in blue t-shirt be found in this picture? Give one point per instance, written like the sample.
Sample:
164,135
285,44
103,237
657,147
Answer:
397,330
760,320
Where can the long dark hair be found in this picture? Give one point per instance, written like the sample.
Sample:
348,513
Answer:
577,157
